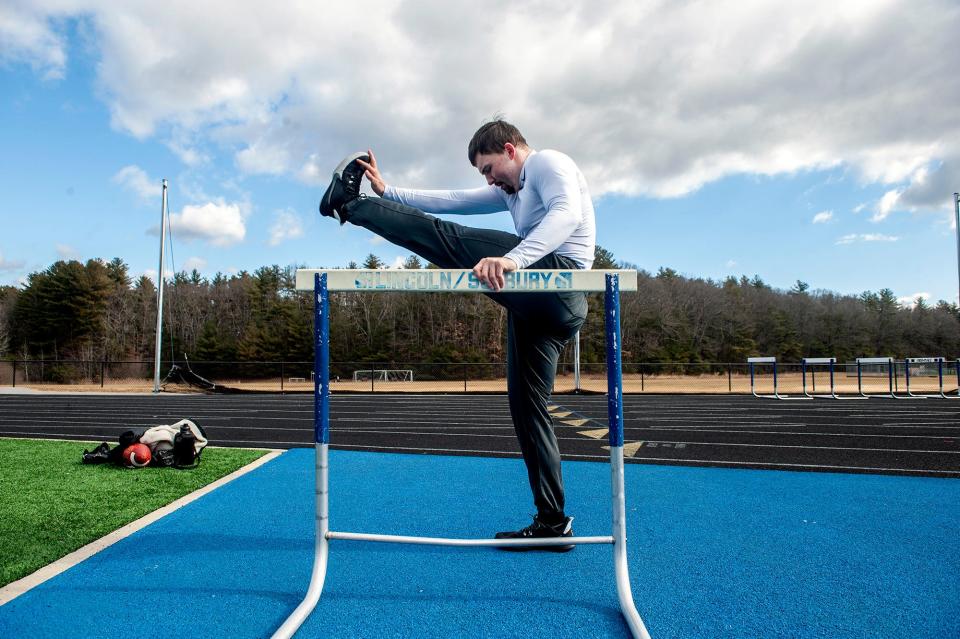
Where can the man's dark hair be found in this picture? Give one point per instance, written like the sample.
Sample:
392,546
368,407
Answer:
491,138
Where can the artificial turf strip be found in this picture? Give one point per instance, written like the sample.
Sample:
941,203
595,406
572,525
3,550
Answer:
51,504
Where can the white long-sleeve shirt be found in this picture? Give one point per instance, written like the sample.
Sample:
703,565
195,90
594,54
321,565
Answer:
552,210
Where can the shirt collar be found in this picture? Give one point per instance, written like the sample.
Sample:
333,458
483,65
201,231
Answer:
523,169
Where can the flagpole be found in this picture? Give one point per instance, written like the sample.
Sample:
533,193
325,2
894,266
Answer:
163,235
956,209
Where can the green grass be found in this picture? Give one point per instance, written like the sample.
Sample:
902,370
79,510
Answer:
51,504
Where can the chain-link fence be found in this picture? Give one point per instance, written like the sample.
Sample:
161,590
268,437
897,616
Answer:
474,377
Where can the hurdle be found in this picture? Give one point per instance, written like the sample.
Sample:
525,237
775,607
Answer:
611,282
875,360
956,395
751,361
831,363
930,360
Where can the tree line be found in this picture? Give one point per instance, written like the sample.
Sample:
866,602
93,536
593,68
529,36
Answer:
96,311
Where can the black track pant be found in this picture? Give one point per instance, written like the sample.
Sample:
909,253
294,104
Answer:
539,326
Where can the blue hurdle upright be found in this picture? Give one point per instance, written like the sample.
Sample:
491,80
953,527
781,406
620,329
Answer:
461,280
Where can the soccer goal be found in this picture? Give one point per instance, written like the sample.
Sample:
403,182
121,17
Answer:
383,375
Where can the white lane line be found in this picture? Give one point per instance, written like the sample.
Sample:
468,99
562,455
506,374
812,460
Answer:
920,424
14,589
260,414
200,419
674,416
675,429
723,425
938,425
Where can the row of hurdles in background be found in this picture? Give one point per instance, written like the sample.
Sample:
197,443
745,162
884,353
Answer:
808,364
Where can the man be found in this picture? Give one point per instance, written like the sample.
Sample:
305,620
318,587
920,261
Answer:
547,196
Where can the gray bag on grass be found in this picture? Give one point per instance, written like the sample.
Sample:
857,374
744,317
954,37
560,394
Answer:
177,445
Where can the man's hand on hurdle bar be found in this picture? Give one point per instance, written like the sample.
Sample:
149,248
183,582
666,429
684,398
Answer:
490,271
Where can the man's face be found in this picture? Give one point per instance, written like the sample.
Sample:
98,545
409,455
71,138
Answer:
501,169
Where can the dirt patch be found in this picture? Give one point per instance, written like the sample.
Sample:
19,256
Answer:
787,383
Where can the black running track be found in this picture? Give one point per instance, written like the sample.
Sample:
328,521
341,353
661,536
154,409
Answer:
917,437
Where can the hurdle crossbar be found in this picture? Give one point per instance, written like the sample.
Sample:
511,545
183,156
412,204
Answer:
752,361
464,281
450,280
830,362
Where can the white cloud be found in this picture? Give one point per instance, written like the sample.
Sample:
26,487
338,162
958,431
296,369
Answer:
67,252
910,301
313,171
376,239
28,37
886,205
10,265
287,225
263,159
822,217
748,86
398,262
220,223
731,263
932,187
136,179
192,263
929,187
186,148
866,237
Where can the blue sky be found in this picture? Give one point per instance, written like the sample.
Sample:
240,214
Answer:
766,141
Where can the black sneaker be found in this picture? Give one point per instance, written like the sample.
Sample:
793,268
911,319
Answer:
540,530
99,455
344,187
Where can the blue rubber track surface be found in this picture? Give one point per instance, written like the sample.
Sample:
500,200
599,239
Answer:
713,552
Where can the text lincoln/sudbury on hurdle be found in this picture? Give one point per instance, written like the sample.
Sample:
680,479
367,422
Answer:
464,281
444,280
